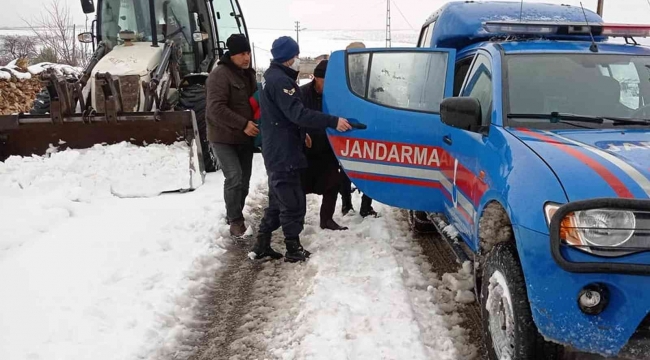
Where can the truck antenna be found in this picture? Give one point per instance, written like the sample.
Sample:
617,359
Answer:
521,10
593,47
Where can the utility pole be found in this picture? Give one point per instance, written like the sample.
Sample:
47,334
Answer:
599,10
388,40
254,59
298,32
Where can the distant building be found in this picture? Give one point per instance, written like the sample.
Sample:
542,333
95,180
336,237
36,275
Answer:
307,65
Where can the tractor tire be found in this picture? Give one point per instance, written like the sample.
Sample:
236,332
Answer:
192,97
41,104
508,326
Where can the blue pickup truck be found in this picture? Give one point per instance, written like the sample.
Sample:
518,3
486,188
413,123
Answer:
522,134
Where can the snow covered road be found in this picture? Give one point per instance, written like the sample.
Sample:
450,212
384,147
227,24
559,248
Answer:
87,275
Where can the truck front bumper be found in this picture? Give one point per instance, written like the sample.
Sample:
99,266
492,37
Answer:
553,293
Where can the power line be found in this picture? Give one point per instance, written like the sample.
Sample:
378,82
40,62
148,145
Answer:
404,17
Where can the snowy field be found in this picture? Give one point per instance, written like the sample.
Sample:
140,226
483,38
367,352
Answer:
87,275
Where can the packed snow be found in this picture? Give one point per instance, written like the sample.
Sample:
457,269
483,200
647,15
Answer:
86,274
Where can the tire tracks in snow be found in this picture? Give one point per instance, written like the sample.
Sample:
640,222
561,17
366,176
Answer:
247,303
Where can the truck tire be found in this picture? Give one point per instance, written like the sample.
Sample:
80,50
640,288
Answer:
508,327
192,97
41,104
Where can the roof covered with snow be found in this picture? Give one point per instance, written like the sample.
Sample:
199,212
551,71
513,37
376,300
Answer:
459,24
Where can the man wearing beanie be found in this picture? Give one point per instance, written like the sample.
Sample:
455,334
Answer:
231,125
322,176
284,120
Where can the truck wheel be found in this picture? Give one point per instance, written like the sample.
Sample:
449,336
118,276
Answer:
508,326
192,97
41,105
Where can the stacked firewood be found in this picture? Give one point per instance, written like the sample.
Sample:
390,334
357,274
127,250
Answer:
18,95
18,88
19,83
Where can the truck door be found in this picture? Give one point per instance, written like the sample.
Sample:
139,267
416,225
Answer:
465,148
398,159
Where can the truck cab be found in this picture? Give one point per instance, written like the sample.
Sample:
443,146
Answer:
522,133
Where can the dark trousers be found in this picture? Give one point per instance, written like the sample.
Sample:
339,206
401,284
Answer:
346,192
287,205
323,178
237,165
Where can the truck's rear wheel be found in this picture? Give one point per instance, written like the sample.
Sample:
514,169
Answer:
192,97
508,326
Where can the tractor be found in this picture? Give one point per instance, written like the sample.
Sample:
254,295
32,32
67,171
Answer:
144,83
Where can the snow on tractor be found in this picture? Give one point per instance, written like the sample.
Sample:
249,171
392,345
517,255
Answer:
145,82
521,133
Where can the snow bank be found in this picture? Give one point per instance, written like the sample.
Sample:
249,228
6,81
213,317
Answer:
85,275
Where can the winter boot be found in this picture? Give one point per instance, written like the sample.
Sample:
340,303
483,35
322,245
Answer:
237,229
346,205
332,225
262,248
295,251
366,207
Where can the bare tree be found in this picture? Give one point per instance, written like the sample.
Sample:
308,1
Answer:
54,28
16,47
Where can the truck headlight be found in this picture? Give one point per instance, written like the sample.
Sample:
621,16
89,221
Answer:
595,228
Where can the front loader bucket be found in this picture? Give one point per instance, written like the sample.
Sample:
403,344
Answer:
27,135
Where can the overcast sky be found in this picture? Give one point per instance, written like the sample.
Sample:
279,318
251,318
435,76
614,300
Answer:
337,14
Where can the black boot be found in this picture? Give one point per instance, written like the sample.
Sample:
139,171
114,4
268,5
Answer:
366,207
295,251
263,248
332,225
346,206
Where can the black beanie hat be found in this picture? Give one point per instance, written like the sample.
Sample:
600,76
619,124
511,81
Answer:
320,69
237,44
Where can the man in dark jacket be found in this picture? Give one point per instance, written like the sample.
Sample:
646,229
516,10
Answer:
284,118
322,176
231,125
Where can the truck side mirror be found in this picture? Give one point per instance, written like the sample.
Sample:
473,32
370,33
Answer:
462,113
88,6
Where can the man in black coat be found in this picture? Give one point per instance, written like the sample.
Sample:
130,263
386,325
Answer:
283,120
322,176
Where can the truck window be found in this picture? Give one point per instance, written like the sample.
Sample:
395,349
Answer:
628,78
427,40
601,85
479,85
358,72
412,81
462,67
423,36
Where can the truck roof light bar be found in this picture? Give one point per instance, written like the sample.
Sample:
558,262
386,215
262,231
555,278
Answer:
626,30
566,29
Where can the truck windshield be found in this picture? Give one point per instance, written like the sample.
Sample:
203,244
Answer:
172,22
582,85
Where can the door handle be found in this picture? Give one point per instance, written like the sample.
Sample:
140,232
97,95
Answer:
447,139
356,124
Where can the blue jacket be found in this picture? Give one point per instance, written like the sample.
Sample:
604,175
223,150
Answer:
284,118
